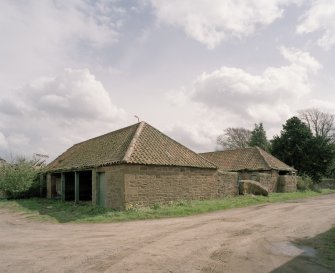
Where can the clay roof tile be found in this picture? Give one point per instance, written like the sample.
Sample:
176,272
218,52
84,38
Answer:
137,144
252,158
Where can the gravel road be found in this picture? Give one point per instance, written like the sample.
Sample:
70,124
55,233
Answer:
253,239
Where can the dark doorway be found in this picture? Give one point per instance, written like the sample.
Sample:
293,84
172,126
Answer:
85,186
55,181
69,186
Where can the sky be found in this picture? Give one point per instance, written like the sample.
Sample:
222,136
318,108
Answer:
73,70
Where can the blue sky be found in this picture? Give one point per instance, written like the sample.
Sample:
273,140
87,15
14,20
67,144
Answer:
71,70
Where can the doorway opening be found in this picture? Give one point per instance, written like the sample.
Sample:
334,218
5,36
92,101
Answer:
69,186
85,185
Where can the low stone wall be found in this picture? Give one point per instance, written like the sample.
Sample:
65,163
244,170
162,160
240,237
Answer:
327,183
287,183
147,185
227,183
267,179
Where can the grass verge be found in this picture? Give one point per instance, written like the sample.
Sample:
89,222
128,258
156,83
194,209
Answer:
63,212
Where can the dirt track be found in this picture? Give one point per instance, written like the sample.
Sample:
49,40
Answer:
253,239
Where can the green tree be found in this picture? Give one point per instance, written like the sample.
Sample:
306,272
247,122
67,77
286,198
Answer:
292,144
297,147
17,178
258,137
321,152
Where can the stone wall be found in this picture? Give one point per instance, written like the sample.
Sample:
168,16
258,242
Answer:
147,185
227,183
287,183
268,179
327,183
129,185
114,186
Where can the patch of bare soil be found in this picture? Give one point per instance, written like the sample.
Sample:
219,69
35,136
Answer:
253,239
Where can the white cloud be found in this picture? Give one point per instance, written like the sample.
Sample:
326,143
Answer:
323,105
232,97
59,22
41,37
3,142
301,58
200,136
320,17
211,23
50,114
268,95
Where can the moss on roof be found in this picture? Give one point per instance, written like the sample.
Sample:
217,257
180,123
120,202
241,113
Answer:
253,158
136,144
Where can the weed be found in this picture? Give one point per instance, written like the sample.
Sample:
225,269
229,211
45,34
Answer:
156,206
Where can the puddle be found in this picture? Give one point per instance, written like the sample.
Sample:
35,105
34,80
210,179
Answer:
289,249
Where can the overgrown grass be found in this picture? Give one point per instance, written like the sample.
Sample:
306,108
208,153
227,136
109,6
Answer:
64,212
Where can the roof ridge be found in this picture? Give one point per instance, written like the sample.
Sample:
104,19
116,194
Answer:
182,145
214,152
228,150
263,157
272,156
105,134
133,142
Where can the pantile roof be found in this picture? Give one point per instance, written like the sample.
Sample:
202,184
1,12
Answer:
137,144
252,158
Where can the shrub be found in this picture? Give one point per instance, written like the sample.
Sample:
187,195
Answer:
17,178
37,189
304,183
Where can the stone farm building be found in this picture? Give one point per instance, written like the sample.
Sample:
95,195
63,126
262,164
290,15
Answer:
136,165
256,164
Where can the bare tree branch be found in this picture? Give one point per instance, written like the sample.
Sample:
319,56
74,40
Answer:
320,123
234,138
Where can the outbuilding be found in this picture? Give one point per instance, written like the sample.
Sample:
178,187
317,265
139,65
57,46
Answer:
135,166
253,163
